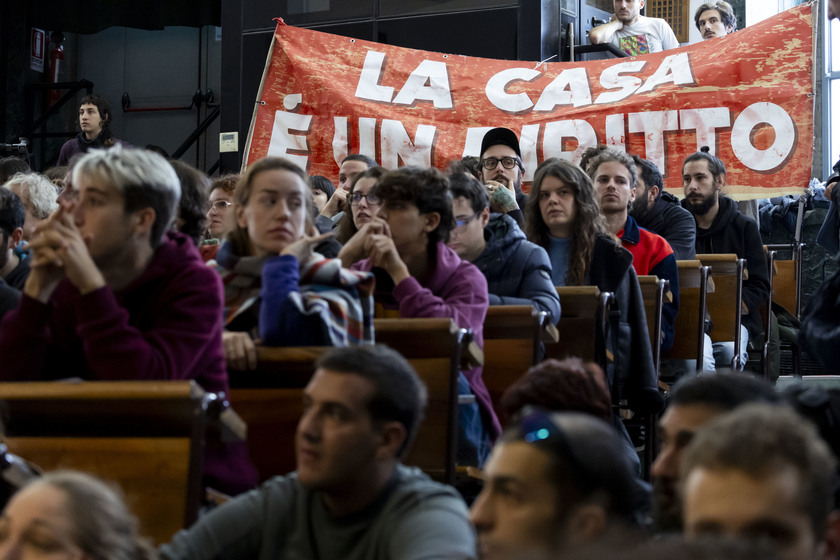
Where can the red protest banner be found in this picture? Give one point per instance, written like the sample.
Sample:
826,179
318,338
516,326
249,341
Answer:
749,96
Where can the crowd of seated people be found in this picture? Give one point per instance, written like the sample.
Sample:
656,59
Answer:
122,265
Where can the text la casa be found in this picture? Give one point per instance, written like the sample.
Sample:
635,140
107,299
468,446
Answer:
429,82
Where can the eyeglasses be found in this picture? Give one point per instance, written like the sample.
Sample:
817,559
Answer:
356,199
220,205
507,162
461,225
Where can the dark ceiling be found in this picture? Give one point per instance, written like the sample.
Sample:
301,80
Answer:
91,16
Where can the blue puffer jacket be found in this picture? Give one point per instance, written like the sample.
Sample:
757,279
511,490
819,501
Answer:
518,272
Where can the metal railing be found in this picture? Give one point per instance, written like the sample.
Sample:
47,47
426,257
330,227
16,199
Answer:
31,131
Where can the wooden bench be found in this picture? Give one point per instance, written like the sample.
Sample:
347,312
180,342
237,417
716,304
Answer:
725,305
695,285
583,324
269,399
513,342
147,436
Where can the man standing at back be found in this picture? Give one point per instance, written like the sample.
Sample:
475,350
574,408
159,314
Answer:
350,497
715,19
632,32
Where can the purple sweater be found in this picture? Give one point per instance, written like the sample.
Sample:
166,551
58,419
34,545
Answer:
167,324
457,290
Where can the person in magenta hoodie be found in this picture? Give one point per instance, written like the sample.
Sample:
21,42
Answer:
417,275
113,295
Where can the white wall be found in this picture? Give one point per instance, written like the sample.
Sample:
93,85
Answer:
759,10
693,33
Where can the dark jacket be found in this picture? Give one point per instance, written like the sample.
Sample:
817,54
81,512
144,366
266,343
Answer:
518,272
17,277
732,232
632,375
653,255
80,145
9,298
820,329
673,222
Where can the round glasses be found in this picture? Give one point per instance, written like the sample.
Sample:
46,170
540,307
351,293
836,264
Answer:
507,162
220,205
356,199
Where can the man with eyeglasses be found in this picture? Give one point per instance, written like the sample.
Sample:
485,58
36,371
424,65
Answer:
335,207
501,164
555,482
518,272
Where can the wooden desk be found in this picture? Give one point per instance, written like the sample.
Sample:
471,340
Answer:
147,436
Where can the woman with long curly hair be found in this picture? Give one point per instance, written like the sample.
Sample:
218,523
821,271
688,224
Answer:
562,214
563,217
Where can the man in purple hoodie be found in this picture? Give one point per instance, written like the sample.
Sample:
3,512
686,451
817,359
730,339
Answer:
113,295
417,275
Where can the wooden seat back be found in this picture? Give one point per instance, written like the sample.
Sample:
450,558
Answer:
582,325
147,436
786,276
269,399
725,305
695,285
513,336
655,292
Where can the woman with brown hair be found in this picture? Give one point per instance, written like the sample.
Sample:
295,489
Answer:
363,204
277,288
563,216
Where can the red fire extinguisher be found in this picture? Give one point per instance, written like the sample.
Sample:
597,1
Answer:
56,55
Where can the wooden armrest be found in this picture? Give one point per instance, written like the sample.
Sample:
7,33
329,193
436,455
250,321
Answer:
549,333
722,263
470,472
473,356
233,427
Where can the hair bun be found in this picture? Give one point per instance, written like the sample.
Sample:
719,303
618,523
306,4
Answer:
705,149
